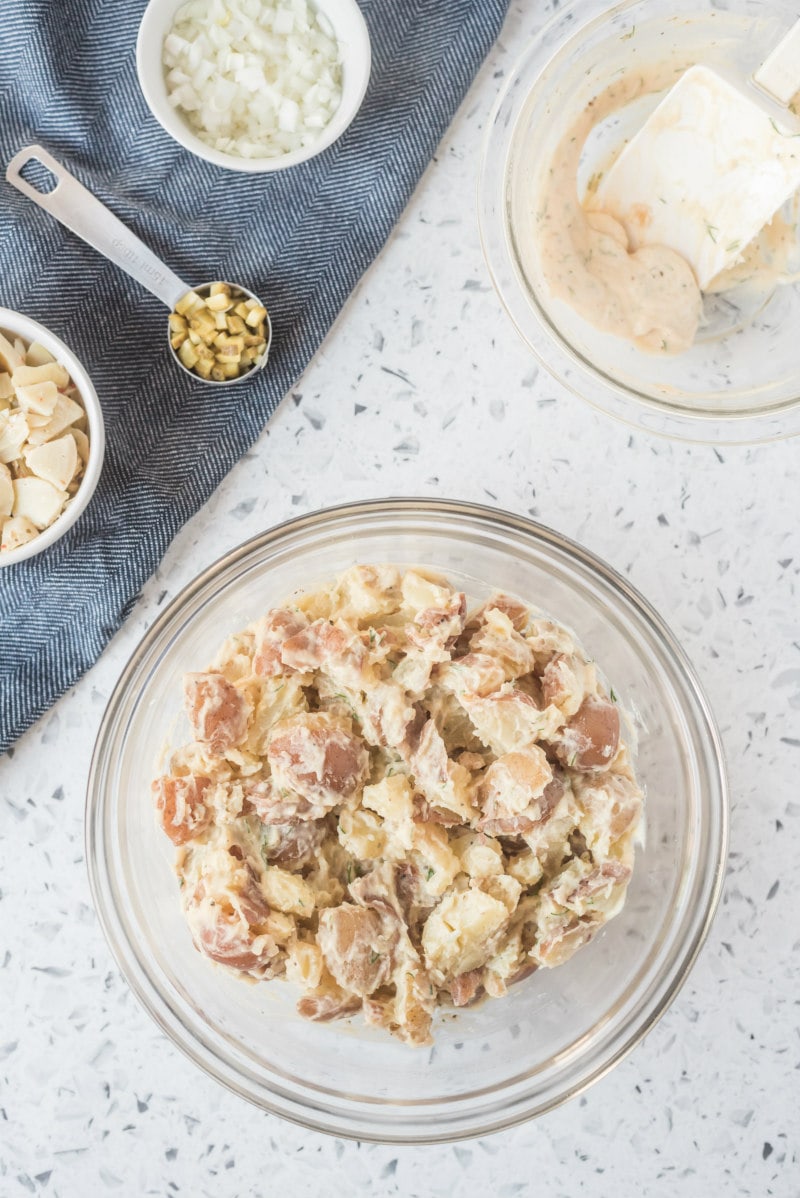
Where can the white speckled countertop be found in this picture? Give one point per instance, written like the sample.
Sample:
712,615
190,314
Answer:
424,388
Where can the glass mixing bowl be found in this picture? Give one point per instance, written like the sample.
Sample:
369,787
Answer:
740,381
511,1058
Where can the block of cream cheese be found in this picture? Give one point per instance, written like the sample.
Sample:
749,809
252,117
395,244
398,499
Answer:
705,173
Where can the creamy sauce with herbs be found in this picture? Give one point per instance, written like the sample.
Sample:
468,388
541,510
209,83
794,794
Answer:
769,261
648,296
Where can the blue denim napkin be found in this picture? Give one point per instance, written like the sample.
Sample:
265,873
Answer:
301,238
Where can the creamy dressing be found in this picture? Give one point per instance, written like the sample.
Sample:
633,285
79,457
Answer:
648,296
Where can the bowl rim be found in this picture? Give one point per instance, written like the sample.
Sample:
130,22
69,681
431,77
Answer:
579,376
157,20
308,1112
31,330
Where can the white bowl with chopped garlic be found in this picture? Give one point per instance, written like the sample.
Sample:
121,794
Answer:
254,85
51,438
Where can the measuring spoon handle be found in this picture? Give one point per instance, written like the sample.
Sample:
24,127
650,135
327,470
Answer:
71,204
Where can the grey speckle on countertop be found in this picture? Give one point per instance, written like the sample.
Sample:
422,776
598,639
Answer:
424,388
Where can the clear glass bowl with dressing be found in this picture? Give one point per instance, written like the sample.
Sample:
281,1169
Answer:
739,382
507,1059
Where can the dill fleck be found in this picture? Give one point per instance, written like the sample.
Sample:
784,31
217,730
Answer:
613,696
348,873
734,245
626,37
373,957
712,231
429,872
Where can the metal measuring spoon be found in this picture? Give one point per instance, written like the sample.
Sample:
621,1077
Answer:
76,208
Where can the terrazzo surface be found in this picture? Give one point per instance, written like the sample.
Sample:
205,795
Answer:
423,388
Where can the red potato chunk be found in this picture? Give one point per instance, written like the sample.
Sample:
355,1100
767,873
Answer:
517,612
523,973
408,1012
358,946
413,899
229,931
325,1007
465,987
317,760
217,711
428,759
333,648
278,627
559,944
226,942
388,715
518,792
439,625
293,845
591,738
474,674
424,813
431,768
598,884
180,803
613,800
506,647
278,806
558,679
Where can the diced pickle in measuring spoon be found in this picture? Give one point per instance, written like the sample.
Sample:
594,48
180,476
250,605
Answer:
219,332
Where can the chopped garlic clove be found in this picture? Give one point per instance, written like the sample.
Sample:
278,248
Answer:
38,397
82,444
17,531
39,501
66,412
55,462
37,421
37,355
14,430
10,357
50,372
6,491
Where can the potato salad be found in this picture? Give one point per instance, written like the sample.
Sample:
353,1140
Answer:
397,804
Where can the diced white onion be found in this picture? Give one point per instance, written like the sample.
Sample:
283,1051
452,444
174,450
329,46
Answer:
253,78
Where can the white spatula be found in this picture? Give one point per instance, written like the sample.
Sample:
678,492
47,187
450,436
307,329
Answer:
712,164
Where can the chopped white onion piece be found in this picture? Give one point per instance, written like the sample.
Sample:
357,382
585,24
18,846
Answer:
253,78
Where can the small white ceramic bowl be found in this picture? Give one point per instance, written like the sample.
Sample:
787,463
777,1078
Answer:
17,325
353,38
